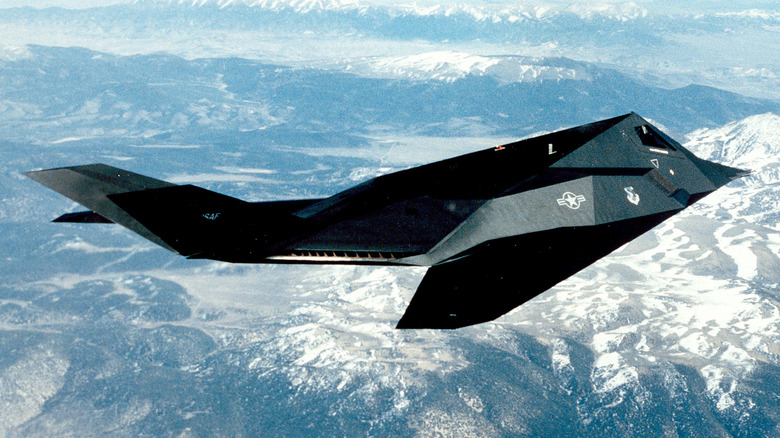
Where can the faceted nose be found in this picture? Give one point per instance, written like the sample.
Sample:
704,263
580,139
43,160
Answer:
720,174
733,173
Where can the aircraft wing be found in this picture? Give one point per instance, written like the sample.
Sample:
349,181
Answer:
499,275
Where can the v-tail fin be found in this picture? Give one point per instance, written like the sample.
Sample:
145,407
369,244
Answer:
184,219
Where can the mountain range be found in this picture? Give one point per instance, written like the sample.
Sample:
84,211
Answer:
102,333
725,46
675,333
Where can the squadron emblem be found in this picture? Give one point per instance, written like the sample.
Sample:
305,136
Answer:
633,197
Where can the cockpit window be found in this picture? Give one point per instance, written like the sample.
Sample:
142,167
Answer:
650,137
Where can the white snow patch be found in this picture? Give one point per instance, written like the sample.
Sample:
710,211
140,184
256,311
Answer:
698,344
252,170
740,249
78,244
10,53
560,355
68,140
27,384
167,146
720,385
119,157
610,372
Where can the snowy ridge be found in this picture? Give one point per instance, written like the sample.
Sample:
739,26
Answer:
452,65
13,53
297,5
496,12
251,29
616,11
753,14
752,143
512,13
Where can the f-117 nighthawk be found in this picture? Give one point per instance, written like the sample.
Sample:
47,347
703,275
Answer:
496,227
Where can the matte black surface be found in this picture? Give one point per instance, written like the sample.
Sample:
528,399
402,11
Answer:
84,217
498,227
499,275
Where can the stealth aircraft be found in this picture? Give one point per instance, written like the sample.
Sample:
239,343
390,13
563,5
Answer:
496,227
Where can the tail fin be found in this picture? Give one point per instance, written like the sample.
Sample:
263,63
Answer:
184,219
189,219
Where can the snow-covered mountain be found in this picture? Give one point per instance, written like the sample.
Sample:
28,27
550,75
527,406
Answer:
491,11
723,46
487,11
750,144
450,66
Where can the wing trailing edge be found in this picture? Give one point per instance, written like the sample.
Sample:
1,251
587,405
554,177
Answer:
83,217
138,202
91,184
